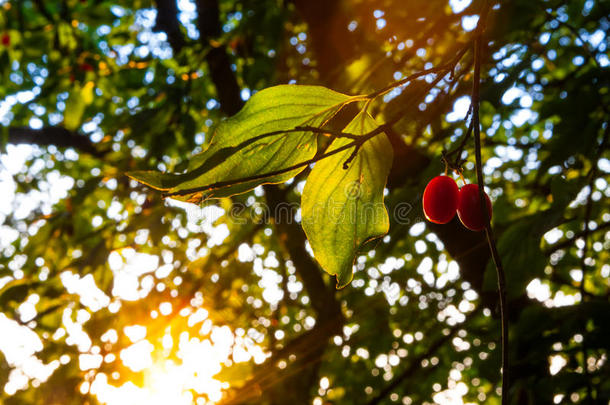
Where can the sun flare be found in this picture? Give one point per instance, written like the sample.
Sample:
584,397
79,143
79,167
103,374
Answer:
165,381
192,376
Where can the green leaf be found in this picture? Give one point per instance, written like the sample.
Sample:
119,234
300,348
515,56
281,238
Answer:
519,248
76,104
564,191
237,374
75,107
343,209
251,144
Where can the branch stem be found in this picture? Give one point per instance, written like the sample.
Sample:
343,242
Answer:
488,230
445,68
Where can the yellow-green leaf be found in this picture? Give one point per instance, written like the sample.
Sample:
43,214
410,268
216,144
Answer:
76,104
252,144
343,208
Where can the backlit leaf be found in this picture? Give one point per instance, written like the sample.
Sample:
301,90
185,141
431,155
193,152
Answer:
343,209
251,144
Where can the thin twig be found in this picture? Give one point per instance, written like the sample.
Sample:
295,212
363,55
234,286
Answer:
415,363
325,131
229,183
457,152
576,34
447,67
351,157
488,230
569,242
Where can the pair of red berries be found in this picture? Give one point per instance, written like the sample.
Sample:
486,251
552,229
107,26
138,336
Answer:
442,199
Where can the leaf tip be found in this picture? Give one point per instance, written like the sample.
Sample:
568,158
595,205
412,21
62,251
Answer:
150,178
344,279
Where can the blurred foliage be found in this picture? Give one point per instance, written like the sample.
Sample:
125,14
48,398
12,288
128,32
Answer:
86,252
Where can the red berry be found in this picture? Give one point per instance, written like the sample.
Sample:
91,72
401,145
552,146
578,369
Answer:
440,199
469,207
6,39
86,67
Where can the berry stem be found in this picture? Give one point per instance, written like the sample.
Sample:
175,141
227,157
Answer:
488,230
462,178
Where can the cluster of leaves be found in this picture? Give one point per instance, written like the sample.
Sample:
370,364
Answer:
129,93
268,142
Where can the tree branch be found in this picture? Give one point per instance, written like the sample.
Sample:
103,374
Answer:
583,258
576,34
292,236
57,136
445,68
43,10
167,21
309,347
569,242
331,41
221,72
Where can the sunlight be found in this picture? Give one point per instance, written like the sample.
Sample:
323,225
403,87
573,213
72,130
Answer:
194,373
165,381
171,390
19,345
